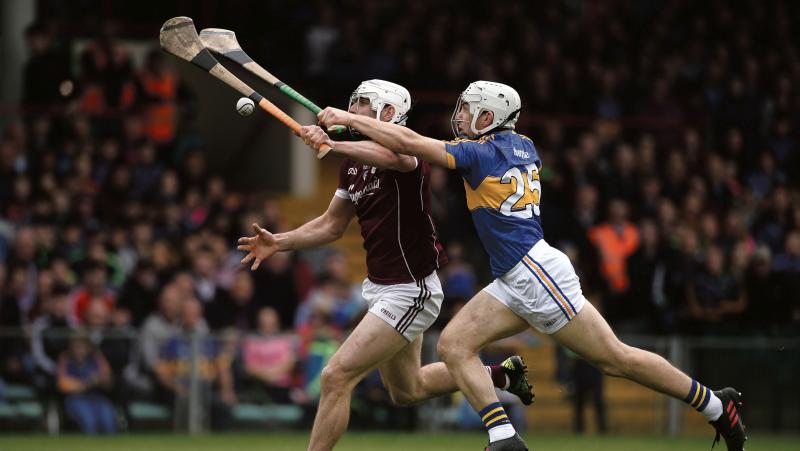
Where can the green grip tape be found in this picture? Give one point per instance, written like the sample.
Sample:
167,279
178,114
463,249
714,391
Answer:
286,89
311,106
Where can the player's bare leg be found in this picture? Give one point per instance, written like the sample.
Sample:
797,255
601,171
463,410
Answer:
482,321
374,344
408,382
371,343
589,335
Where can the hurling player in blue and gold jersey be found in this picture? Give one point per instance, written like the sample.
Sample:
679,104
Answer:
535,284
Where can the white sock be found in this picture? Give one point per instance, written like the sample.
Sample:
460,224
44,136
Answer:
496,421
713,409
703,399
501,432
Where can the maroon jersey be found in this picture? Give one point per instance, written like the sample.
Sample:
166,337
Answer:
393,209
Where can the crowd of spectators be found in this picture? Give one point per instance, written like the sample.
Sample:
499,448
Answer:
668,133
117,247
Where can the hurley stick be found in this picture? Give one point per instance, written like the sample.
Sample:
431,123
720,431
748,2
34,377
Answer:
179,37
224,42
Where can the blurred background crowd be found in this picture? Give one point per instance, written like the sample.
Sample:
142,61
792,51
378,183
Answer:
668,132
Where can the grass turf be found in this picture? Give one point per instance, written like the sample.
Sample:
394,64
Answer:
358,441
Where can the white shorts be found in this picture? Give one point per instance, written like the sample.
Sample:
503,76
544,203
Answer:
411,308
542,288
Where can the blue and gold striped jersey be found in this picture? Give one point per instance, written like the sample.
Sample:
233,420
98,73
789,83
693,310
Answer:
501,179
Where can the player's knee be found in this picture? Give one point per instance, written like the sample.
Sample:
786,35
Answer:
333,377
609,367
449,348
618,362
402,397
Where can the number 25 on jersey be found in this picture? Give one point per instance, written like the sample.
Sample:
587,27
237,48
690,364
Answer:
524,202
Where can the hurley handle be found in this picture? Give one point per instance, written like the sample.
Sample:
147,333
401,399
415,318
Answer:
270,108
286,89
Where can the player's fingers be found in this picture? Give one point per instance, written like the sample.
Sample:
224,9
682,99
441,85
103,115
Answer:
244,247
315,139
308,133
324,115
248,257
246,239
255,264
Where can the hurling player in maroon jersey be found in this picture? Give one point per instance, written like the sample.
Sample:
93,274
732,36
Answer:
390,195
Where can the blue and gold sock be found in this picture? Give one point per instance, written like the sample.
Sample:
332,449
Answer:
496,422
704,401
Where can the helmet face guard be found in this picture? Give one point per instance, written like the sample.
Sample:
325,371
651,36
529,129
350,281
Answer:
356,96
455,122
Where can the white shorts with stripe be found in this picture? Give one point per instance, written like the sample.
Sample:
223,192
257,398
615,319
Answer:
542,288
411,308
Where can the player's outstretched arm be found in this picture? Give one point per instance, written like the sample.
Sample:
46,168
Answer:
321,230
396,137
367,152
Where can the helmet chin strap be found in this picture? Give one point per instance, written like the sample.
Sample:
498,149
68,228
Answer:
401,120
395,118
489,128
475,116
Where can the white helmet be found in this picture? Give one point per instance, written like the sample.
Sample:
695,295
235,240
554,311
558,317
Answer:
381,93
500,99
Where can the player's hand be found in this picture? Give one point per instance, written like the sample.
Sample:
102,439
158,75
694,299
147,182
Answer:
260,246
334,116
315,137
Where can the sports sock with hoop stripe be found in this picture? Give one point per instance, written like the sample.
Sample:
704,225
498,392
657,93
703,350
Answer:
704,401
496,422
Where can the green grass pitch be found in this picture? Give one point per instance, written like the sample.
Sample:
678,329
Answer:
361,441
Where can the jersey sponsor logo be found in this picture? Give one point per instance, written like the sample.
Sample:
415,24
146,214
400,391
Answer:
352,171
388,313
367,173
521,153
356,196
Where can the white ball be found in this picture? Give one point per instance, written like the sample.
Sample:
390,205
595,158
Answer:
245,106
